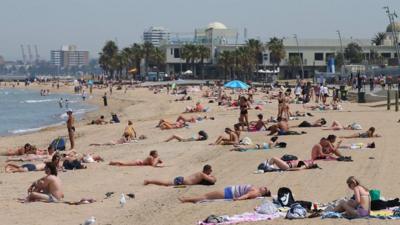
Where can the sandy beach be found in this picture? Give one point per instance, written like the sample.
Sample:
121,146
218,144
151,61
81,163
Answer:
376,168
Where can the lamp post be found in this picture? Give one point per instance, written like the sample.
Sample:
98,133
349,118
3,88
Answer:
342,53
394,32
301,58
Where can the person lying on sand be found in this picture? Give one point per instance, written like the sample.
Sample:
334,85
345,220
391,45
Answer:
232,138
271,144
30,167
202,136
47,155
325,148
26,149
192,119
200,178
282,128
152,160
318,123
48,188
257,125
99,121
276,163
166,125
236,192
370,133
338,126
123,140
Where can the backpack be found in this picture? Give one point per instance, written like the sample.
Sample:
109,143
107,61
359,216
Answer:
296,211
285,197
214,219
58,144
289,157
72,165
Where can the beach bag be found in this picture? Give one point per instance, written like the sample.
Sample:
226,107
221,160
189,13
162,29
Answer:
356,126
58,144
267,207
281,145
71,165
214,219
375,194
296,211
287,158
285,197
114,118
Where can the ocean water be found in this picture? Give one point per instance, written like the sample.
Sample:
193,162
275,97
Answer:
23,111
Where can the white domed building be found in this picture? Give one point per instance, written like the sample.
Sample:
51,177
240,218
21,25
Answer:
389,33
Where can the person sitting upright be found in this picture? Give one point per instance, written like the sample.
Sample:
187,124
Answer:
202,178
257,125
325,148
232,139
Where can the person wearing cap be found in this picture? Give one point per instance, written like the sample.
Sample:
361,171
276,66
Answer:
71,128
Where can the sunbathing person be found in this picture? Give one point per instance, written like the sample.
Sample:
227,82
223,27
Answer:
47,155
130,130
48,188
360,205
276,163
152,160
318,123
257,125
200,178
27,149
197,108
202,136
370,133
338,126
123,140
271,144
230,140
29,167
325,149
282,128
166,125
236,192
99,121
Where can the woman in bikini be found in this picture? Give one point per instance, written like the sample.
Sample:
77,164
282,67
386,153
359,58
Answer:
152,160
276,163
325,148
236,192
244,106
360,205
370,133
338,126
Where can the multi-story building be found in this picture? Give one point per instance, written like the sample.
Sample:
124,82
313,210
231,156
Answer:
69,56
315,53
156,35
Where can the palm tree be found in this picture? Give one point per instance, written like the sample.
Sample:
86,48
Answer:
148,49
203,53
126,58
256,48
277,51
243,61
379,38
136,56
106,60
226,61
190,54
158,58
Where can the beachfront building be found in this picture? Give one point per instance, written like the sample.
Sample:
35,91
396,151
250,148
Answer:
156,35
315,53
69,56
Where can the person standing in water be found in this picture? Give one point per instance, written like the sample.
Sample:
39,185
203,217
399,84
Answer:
71,128
66,103
60,103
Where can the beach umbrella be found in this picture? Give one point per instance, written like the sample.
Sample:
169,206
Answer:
236,84
188,72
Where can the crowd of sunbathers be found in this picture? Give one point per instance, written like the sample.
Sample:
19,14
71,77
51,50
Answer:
49,188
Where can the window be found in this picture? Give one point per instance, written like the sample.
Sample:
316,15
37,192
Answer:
386,55
177,53
318,56
329,55
294,54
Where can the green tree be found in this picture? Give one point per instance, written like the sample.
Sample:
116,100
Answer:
148,50
255,50
107,58
243,61
203,53
158,59
226,62
190,54
378,38
294,62
353,53
277,51
136,56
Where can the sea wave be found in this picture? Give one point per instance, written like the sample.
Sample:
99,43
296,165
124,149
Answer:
39,101
30,130
76,112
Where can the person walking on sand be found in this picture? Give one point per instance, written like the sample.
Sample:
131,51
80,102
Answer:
71,128
202,178
105,99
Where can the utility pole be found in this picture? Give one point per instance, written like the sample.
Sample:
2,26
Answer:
342,53
394,32
301,58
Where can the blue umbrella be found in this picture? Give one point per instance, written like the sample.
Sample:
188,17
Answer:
236,84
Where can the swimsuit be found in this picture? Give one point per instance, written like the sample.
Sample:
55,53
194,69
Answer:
178,181
29,167
362,212
363,135
52,198
236,191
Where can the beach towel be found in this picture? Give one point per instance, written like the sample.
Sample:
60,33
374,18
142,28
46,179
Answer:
245,217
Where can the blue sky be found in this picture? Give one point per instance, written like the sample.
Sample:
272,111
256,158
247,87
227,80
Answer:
89,23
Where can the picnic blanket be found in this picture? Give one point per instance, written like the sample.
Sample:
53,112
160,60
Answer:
245,217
